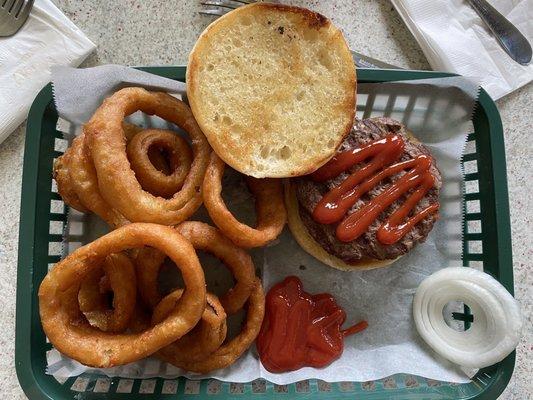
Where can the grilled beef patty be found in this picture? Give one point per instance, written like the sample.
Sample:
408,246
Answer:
309,194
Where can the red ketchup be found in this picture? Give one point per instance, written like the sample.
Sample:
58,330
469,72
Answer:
382,155
301,330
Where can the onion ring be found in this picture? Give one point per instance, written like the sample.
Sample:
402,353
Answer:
119,272
160,163
151,178
64,183
156,158
58,302
228,353
68,189
203,340
207,238
118,184
85,183
148,263
270,208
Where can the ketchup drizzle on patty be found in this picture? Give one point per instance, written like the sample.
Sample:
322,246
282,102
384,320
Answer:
383,153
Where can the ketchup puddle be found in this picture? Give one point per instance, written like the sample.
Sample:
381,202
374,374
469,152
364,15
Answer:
300,329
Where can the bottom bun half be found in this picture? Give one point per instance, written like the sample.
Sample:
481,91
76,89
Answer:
310,245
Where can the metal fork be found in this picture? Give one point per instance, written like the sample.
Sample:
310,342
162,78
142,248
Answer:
13,14
220,7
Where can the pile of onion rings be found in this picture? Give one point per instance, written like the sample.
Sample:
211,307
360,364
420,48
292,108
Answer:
209,239
102,304
187,327
123,173
118,183
72,334
213,353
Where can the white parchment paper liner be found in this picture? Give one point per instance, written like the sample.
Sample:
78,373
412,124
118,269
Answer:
438,112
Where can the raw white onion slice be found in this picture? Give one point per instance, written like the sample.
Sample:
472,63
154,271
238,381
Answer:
496,329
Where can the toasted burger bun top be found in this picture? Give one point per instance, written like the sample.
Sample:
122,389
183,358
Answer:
273,89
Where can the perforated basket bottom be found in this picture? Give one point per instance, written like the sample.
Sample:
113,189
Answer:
181,386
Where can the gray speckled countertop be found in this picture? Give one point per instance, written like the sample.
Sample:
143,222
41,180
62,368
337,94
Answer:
160,32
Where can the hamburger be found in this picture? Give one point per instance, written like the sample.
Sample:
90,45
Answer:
377,243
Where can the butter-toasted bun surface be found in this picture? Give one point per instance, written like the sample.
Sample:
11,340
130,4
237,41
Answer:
273,89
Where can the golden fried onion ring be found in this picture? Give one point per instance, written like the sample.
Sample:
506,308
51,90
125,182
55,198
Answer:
203,340
144,151
78,184
119,272
64,183
85,183
207,238
270,208
68,188
74,337
117,181
229,352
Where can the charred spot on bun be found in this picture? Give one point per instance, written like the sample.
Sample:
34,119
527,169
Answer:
385,190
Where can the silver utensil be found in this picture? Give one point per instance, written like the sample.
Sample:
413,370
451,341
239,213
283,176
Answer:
513,42
218,8
13,14
221,7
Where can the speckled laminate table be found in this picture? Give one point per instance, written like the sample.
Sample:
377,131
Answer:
162,32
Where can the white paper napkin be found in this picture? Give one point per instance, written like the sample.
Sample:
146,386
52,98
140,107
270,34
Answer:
454,38
47,38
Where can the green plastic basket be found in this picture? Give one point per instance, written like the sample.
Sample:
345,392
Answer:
42,220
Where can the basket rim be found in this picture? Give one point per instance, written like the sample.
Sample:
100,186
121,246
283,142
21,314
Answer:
31,381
